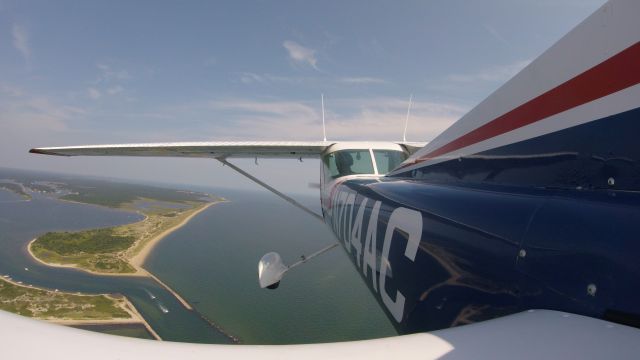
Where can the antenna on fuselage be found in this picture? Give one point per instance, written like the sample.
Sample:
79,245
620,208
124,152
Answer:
324,129
406,122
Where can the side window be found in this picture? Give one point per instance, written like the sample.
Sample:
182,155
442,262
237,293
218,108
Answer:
387,160
347,162
330,169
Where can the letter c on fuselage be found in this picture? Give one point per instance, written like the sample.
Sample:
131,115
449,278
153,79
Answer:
410,222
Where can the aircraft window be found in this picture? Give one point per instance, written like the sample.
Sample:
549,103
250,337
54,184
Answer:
387,160
348,162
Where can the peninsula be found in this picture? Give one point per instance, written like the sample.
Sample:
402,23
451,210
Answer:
119,250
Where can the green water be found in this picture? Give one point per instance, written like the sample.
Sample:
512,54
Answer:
130,330
213,263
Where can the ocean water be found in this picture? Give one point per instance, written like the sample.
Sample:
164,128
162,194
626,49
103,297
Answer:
212,263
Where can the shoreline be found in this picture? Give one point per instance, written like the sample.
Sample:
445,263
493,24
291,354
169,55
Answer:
139,273
136,317
138,259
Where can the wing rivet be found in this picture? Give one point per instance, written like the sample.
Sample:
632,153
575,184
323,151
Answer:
591,289
522,253
611,181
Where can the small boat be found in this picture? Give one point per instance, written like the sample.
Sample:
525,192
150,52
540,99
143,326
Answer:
163,308
151,296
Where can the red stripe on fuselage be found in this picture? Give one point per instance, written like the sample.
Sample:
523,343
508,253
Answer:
614,74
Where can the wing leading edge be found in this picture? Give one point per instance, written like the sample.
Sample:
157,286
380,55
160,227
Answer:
214,149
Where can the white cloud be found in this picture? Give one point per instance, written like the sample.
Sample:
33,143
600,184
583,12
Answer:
383,119
210,61
108,82
496,34
253,78
115,90
21,41
249,78
352,119
94,93
492,74
35,113
11,90
361,80
301,54
108,74
266,108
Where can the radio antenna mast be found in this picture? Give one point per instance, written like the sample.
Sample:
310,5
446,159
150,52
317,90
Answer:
406,122
324,129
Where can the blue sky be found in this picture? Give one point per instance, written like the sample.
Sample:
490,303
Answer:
79,72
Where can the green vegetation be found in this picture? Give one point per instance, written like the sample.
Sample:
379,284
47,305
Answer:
113,194
97,192
16,188
109,250
90,242
95,250
50,305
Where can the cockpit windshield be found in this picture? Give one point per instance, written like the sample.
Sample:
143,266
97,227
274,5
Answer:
359,161
387,160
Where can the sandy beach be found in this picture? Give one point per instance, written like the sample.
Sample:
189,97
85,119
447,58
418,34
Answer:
138,259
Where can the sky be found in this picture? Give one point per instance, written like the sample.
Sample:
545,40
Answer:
101,72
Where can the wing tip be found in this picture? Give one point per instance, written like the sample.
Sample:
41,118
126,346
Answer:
44,152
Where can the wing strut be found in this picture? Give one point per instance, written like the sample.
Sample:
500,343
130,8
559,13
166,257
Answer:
271,189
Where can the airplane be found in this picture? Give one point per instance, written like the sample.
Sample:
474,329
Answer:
519,221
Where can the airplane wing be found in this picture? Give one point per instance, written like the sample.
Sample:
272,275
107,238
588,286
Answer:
535,334
211,149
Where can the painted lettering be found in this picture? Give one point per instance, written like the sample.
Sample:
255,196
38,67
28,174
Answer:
409,222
